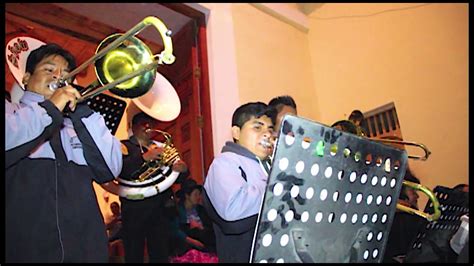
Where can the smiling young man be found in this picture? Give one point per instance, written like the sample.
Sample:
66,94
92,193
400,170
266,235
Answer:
237,179
51,159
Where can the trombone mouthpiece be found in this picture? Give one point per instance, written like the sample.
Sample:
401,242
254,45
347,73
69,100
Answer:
57,84
266,143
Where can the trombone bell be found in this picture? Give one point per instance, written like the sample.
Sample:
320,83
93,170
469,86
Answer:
128,57
128,65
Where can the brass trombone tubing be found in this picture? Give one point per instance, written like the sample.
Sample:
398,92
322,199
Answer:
425,149
428,192
431,196
166,56
166,134
170,152
355,128
114,83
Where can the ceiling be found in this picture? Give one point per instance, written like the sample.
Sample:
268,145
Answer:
124,16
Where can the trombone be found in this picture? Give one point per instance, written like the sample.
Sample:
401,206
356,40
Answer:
409,143
431,196
351,127
131,61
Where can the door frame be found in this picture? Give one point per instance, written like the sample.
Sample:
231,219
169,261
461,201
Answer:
202,79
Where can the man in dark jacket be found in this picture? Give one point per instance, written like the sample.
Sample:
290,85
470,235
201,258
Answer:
145,219
52,157
405,225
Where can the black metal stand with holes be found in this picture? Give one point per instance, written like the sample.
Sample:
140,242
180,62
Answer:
331,196
432,242
111,108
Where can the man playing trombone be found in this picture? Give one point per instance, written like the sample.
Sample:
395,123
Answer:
54,149
237,179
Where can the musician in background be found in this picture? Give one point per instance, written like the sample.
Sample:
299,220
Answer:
51,159
459,242
357,117
284,104
405,226
146,219
237,179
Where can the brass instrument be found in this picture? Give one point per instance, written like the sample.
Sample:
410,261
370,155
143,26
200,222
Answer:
168,157
350,127
431,196
126,67
410,143
152,177
124,64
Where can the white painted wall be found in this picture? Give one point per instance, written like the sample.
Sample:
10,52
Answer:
414,54
352,56
223,81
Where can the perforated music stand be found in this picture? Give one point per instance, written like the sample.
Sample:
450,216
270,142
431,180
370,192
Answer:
110,108
432,241
331,196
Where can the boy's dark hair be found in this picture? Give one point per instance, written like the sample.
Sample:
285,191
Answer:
141,117
280,101
247,111
188,186
356,115
46,50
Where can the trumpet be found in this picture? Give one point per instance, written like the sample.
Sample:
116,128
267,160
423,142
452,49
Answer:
124,64
351,127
